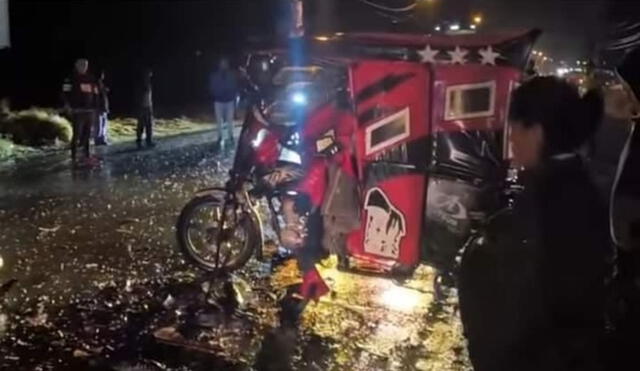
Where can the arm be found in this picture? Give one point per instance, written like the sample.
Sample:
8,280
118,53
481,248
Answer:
65,94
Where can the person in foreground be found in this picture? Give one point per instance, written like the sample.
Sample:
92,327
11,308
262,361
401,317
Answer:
532,296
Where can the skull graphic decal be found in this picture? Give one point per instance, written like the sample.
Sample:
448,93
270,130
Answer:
385,225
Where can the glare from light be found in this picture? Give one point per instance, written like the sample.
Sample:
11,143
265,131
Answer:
473,26
438,28
454,27
260,137
299,98
400,298
561,71
477,19
322,38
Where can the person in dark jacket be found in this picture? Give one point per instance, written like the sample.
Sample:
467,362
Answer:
80,96
145,110
532,295
223,85
103,112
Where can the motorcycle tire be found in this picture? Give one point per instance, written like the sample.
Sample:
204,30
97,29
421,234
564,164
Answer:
188,250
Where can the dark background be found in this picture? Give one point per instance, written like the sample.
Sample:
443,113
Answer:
181,40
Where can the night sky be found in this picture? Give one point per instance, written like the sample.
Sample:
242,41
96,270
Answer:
181,39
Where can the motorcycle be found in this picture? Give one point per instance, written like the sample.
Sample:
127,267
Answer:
403,138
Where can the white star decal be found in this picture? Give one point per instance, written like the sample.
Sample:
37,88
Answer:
457,55
428,54
489,56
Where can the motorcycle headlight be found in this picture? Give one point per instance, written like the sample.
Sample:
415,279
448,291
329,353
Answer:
299,98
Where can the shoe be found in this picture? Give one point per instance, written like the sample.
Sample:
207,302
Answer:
139,144
291,309
313,286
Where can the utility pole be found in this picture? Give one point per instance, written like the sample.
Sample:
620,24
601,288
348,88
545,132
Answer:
297,19
297,50
4,24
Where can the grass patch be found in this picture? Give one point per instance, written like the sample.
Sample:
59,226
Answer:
124,129
6,148
36,127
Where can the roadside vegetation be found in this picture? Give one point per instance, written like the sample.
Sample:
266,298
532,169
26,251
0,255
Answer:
40,131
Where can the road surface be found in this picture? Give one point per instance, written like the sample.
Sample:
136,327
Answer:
99,280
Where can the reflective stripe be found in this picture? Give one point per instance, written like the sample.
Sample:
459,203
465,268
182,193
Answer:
86,88
66,87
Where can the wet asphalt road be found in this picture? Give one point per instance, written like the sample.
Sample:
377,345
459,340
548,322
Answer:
93,252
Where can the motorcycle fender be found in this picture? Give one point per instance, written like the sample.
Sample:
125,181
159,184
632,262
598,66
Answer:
212,192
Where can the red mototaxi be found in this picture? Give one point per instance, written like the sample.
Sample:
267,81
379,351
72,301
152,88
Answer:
398,158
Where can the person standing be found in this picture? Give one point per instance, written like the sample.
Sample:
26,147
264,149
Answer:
145,113
532,296
103,112
80,96
223,86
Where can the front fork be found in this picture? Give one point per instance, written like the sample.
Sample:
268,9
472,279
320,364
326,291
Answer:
238,197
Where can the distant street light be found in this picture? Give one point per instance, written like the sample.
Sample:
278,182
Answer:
477,19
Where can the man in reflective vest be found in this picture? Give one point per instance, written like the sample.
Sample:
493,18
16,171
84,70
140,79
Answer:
80,96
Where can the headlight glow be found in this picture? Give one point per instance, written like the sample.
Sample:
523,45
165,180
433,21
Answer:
299,98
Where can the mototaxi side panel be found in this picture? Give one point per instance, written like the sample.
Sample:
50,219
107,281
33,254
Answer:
391,104
469,143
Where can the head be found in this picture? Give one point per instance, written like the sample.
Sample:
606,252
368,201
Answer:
548,117
82,66
224,64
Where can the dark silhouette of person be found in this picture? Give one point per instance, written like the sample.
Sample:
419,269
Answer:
532,296
145,110
80,97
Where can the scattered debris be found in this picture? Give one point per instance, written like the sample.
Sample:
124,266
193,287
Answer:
49,230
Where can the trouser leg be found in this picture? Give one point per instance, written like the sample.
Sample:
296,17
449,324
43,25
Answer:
140,126
75,137
219,111
149,126
97,129
229,115
101,132
88,124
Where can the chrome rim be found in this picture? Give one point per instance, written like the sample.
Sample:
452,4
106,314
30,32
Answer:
203,231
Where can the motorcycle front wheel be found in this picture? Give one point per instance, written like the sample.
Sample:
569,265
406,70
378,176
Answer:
198,229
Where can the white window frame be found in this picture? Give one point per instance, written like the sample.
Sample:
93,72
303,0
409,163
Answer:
459,88
404,115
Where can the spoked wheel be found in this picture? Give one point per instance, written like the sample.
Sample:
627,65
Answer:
199,229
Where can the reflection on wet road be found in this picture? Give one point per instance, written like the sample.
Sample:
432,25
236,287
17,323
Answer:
93,252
